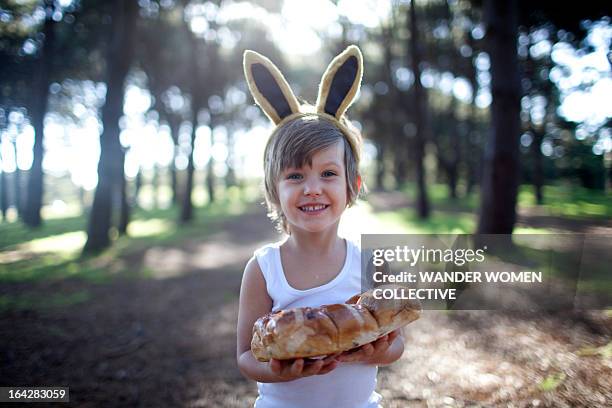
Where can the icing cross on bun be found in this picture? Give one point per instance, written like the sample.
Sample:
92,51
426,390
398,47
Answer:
329,329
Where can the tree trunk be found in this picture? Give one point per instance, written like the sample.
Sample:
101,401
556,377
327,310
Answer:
174,132
81,195
187,207
473,157
110,171
387,123
452,182
230,175
17,182
450,165
3,191
472,147
155,186
420,102
538,171
137,186
380,167
210,173
608,187
4,202
196,104
530,70
501,160
400,169
35,190
453,168
124,215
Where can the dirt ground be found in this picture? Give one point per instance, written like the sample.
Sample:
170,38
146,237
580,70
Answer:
169,341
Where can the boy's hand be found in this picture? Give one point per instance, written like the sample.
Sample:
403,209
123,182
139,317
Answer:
371,352
288,370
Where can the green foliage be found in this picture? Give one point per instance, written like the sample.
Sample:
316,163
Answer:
604,351
602,284
16,233
439,222
570,201
29,301
438,194
562,200
54,251
459,216
552,382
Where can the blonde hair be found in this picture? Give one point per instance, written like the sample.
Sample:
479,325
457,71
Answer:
294,143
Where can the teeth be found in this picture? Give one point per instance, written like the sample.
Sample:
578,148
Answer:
313,207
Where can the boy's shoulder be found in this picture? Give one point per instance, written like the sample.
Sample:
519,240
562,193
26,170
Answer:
267,248
354,242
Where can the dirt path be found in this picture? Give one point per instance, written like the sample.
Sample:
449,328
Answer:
170,341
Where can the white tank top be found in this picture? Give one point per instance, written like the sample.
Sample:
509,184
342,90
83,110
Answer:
347,386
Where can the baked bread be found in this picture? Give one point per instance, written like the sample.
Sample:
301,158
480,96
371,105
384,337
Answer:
319,331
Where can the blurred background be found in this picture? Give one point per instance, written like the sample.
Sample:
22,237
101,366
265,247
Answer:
130,184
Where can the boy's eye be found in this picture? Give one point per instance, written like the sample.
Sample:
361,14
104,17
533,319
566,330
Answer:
329,173
294,176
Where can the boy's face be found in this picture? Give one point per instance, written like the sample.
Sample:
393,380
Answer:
313,198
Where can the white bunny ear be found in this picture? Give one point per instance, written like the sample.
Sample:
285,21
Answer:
269,88
340,83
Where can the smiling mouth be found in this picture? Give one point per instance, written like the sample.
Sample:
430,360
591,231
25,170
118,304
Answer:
313,208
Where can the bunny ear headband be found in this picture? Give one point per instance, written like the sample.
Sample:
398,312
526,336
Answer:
337,90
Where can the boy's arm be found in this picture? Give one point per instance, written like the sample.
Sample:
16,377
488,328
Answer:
389,351
383,351
283,370
254,303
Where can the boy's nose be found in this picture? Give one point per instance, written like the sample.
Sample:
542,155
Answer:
312,188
